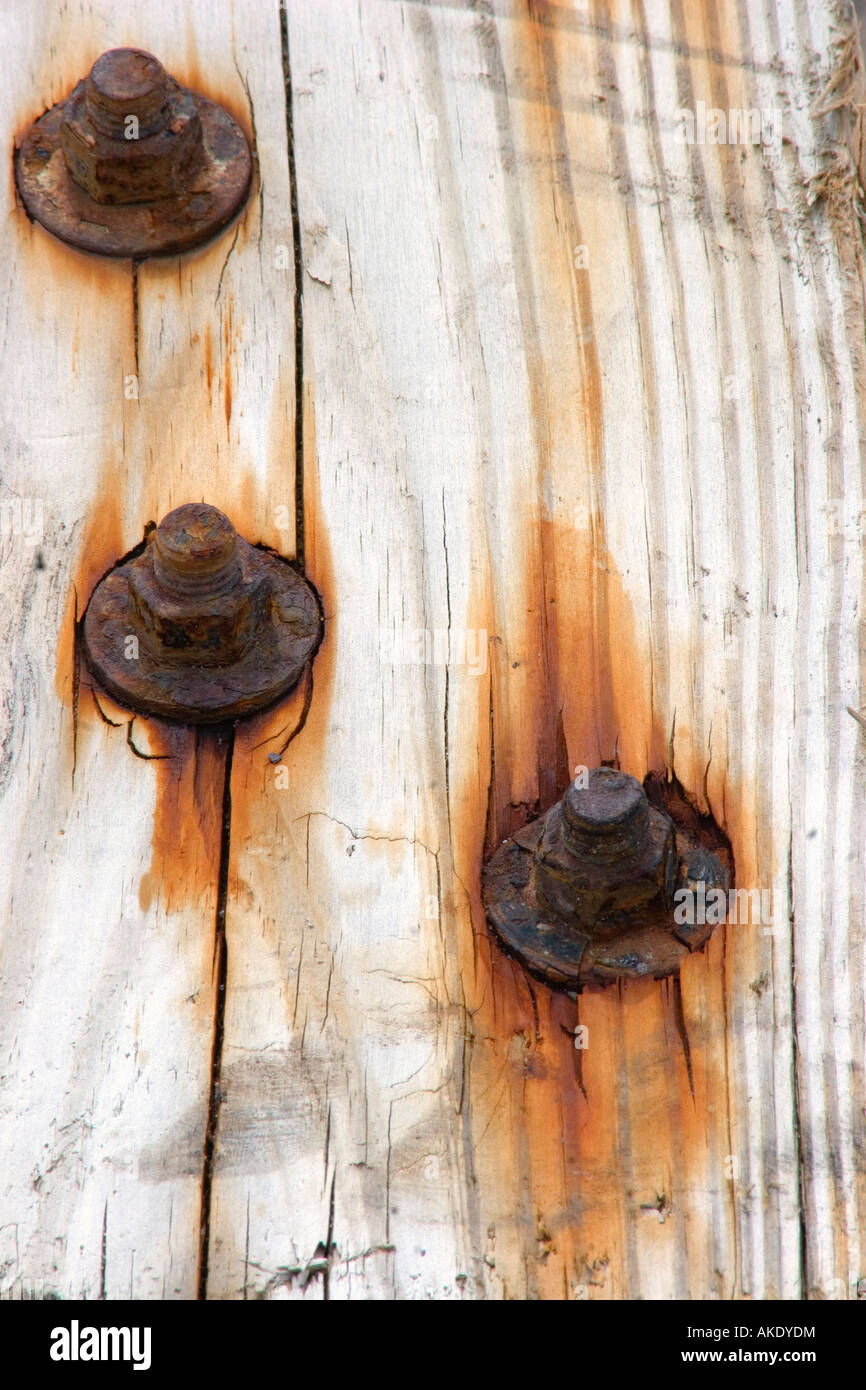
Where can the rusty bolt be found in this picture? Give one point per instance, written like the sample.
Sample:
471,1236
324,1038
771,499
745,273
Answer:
127,136
585,895
200,626
603,851
133,164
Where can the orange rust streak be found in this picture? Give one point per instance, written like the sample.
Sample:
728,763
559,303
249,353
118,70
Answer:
594,1132
591,1162
224,86
187,824
188,765
575,1146
208,359
101,547
564,382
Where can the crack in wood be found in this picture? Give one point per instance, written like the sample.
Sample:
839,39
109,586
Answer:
224,737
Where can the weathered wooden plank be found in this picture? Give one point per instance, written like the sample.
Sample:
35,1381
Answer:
618,467
572,387
126,394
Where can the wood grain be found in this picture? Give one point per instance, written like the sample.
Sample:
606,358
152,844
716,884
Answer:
128,392
580,408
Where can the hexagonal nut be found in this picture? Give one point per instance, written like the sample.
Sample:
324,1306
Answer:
132,170
597,895
176,631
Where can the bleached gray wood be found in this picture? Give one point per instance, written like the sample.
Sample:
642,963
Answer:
588,393
618,473
109,908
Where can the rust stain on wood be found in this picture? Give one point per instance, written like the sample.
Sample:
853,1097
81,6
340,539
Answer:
223,85
208,360
188,765
573,711
608,1140
60,69
101,546
595,1137
580,1141
189,769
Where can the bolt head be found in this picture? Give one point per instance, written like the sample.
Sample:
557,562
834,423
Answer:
584,895
195,551
191,597
608,817
200,626
604,854
127,82
155,163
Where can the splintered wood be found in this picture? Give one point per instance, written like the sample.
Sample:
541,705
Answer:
563,418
